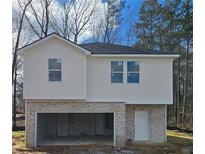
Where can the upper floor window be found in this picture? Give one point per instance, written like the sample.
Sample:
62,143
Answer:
133,69
54,69
117,71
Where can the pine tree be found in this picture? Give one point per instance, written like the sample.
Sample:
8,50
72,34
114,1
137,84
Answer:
169,27
172,40
187,35
106,30
146,27
171,24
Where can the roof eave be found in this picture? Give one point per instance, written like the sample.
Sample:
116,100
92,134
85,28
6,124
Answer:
138,55
54,35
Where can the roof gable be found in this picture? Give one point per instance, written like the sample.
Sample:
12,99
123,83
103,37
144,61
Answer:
102,49
54,35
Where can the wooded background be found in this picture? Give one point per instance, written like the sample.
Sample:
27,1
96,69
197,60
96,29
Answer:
165,25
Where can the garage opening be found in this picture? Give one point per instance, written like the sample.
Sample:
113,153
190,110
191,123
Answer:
75,128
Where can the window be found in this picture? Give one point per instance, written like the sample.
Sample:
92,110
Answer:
133,69
54,69
117,71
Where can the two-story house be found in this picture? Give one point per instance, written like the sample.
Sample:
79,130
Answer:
94,93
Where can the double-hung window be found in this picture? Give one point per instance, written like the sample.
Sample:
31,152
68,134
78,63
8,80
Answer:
54,69
117,71
133,72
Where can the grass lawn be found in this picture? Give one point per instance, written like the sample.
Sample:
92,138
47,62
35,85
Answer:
18,139
179,143
182,139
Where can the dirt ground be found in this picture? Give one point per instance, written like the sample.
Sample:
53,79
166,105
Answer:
178,143
20,120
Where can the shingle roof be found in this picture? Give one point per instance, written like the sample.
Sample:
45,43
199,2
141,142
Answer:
102,48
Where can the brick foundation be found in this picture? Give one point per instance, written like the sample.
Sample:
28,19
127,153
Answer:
157,122
123,118
33,107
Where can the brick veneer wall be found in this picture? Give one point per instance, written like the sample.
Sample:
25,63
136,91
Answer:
157,120
34,106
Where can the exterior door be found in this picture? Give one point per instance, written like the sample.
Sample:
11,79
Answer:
142,126
62,124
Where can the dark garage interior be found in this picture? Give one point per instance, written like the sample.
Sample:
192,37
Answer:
74,128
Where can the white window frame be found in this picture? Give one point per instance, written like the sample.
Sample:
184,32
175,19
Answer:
130,72
113,72
59,70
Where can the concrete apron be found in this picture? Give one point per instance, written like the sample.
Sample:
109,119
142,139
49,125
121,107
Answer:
77,140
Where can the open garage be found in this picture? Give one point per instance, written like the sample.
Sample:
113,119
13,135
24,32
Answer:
75,128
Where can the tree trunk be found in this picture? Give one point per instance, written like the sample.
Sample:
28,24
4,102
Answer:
47,18
14,67
178,91
18,38
14,100
76,39
185,82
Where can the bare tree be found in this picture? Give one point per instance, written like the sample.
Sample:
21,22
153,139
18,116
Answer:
74,18
82,14
107,28
129,33
39,22
26,31
129,28
24,6
96,32
60,22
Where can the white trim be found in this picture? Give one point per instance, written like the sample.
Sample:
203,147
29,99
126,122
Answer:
85,83
26,120
114,135
56,70
149,102
130,72
35,125
117,72
93,122
116,100
165,123
78,112
137,55
20,51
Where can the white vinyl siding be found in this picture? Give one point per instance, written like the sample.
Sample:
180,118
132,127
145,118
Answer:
36,83
155,85
89,78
